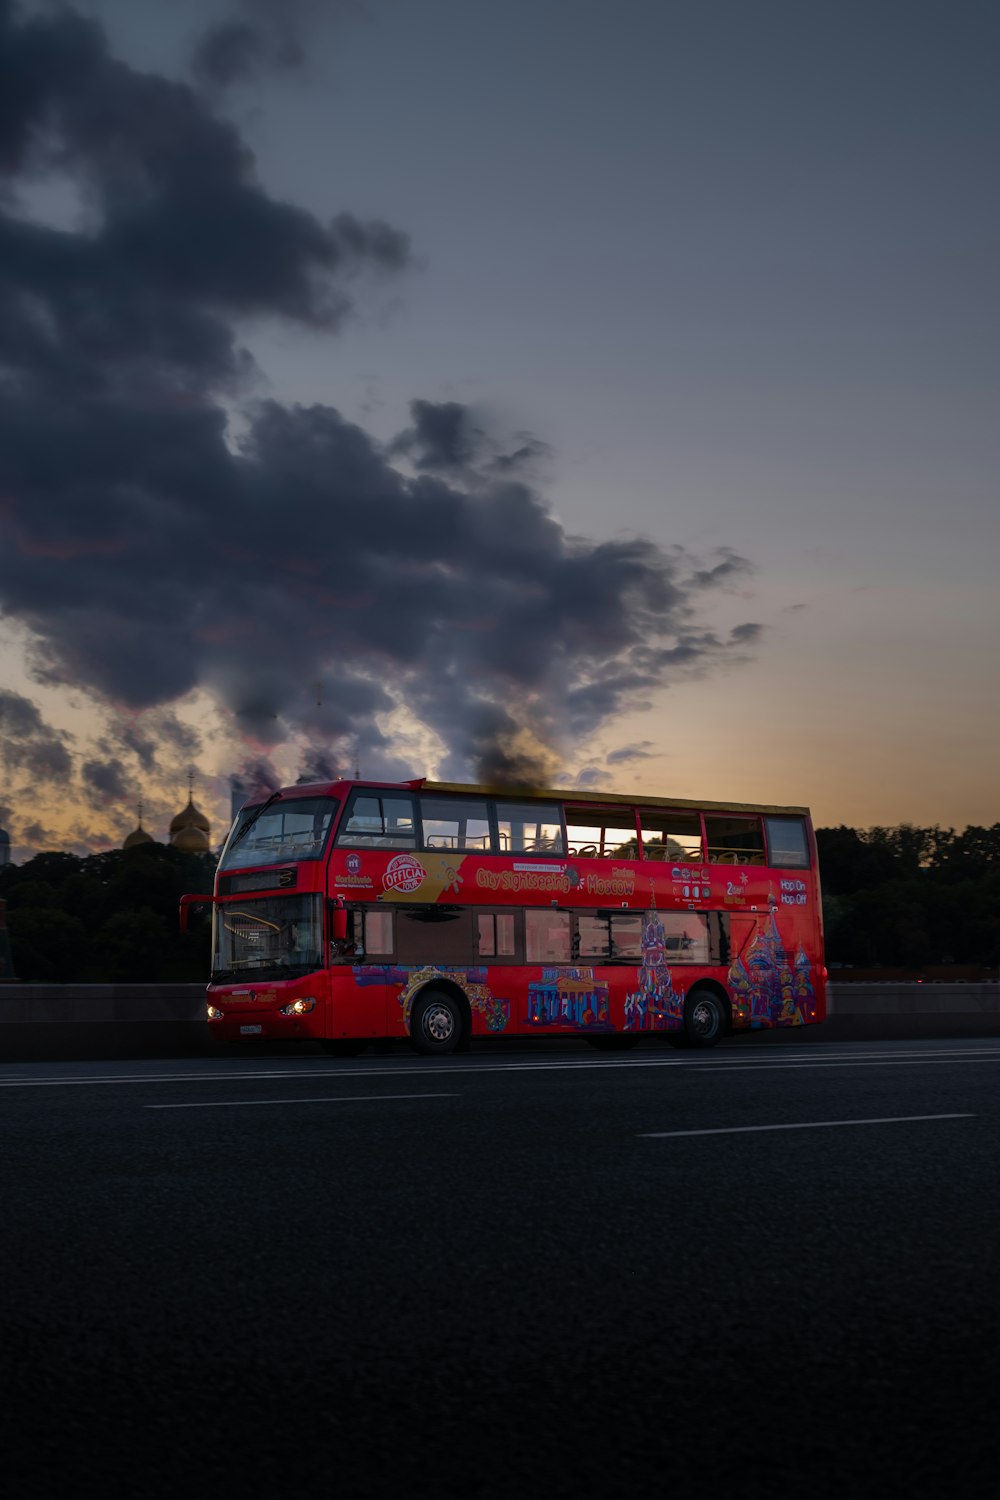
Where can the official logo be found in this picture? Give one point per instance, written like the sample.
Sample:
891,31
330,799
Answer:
354,863
403,873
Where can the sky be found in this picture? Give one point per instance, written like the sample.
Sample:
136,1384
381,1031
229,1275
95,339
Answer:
582,394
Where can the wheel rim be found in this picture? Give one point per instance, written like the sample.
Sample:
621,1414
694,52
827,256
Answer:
438,1023
705,1018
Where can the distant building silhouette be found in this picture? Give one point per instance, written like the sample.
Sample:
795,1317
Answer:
4,848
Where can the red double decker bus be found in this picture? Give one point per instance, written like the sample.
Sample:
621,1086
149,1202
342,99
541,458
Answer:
348,911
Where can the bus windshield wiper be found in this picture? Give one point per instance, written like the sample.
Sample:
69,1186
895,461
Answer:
253,818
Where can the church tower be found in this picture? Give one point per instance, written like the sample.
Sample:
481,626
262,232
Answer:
190,829
138,835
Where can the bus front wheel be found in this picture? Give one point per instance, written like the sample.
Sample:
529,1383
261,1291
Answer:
436,1023
704,1018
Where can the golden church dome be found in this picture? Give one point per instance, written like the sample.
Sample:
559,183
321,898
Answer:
190,840
136,837
189,817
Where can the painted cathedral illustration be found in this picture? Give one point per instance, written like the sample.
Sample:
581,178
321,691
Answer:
773,989
768,988
655,1005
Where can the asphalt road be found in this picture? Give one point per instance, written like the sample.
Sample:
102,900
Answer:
539,1270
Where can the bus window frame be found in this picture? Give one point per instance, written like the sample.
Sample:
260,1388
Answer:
803,823
497,803
341,837
741,861
510,960
484,801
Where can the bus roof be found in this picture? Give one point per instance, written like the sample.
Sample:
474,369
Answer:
587,798
578,798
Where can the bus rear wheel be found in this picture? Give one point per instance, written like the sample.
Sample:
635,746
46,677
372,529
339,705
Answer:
436,1023
704,1018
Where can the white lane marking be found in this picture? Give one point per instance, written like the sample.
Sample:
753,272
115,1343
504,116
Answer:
892,1062
326,1099
661,1135
360,1070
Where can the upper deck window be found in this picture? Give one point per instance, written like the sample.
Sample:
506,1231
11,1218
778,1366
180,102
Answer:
601,832
786,839
378,820
455,823
530,828
292,829
734,840
671,834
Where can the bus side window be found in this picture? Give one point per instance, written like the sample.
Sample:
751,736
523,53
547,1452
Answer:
531,828
380,822
547,936
378,932
455,823
734,840
671,834
495,934
786,839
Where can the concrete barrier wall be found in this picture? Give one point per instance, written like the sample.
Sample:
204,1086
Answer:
91,1021
915,999
21,1003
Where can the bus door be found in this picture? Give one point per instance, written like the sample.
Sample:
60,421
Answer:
359,961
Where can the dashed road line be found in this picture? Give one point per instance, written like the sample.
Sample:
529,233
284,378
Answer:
662,1135
326,1099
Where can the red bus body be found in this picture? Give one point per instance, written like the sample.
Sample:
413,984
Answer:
340,907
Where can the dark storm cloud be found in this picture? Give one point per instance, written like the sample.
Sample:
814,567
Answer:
318,765
259,34
644,750
227,52
104,781
299,577
183,238
256,777
37,834
27,743
147,735
729,568
443,436
448,438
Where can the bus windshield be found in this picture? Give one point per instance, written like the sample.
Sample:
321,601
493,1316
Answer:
274,937
294,828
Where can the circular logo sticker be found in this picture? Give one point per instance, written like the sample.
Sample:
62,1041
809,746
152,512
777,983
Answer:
403,873
354,863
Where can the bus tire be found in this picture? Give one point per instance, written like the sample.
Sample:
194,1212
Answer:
704,1018
345,1048
436,1023
619,1043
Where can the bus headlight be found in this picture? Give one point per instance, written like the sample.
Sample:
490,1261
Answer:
214,1014
298,1007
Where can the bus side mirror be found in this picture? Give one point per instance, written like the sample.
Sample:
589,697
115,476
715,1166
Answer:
189,904
338,921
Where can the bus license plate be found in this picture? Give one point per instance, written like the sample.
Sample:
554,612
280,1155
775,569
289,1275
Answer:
250,1031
